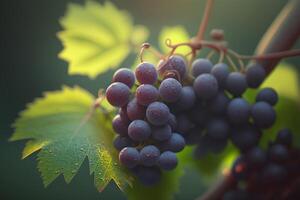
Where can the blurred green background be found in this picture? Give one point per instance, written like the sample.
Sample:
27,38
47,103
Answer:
29,66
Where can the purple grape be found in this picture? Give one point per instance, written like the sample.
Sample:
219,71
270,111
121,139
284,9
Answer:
146,94
149,176
187,99
278,153
206,86
218,105
220,71
218,129
129,157
146,73
139,130
245,137
123,115
135,110
158,113
267,95
168,160
121,142
284,137
149,155
161,133
125,76
170,90
201,66
256,157
263,114
176,63
218,145
175,143
255,75
238,111
119,126
172,122
236,83
184,124
193,136
117,94
274,173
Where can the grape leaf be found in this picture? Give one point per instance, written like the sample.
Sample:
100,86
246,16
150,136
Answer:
57,127
176,34
97,37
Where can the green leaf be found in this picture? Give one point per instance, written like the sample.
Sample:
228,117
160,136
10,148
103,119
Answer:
176,34
57,126
97,37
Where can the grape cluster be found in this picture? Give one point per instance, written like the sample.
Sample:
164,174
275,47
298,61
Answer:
163,108
271,173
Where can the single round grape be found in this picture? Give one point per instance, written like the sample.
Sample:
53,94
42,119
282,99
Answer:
158,113
236,83
238,111
201,66
256,156
220,71
135,110
172,122
117,94
278,153
176,63
119,126
120,142
149,176
200,115
218,105
139,130
146,73
218,129
149,155
255,74
274,173
268,95
184,124
175,143
206,86
170,90
245,137
123,115
161,133
125,76
168,160
263,114
129,157
284,137
146,94
187,99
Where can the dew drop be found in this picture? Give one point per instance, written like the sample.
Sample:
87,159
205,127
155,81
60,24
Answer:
57,172
73,171
76,164
81,149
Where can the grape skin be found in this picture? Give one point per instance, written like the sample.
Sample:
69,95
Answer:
168,160
236,83
245,137
161,133
267,95
278,153
146,73
125,76
238,111
170,90
119,126
175,143
139,130
129,157
255,75
172,122
220,71
135,110
263,114
201,66
218,105
146,94
148,175
218,129
149,155
176,63
117,94
121,142
256,156
157,113
184,124
284,137
187,99
206,86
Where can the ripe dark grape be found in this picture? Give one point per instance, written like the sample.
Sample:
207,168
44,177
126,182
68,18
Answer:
125,76
274,173
176,63
238,111
168,160
220,71
245,137
170,90
267,95
201,66
186,99
148,175
161,133
123,115
255,75
263,114
146,94
149,155
135,110
236,83
139,130
218,129
119,126
218,105
184,124
256,156
158,113
146,73
284,137
175,143
120,142
117,94
129,157
278,153
206,86
193,136
172,122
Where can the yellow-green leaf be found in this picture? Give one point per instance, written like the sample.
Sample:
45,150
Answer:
176,34
57,126
97,37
